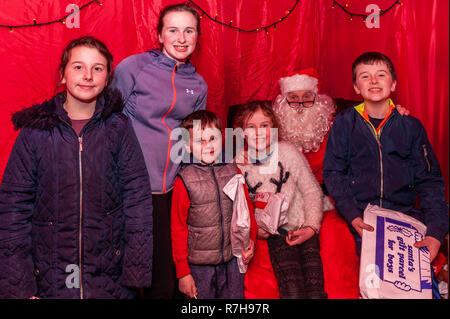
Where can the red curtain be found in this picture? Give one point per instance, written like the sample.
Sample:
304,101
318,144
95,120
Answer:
239,66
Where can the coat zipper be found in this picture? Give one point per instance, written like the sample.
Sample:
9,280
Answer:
80,233
381,168
221,214
174,99
378,139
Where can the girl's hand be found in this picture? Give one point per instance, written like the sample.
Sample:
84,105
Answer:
247,254
297,237
262,234
358,224
432,244
187,286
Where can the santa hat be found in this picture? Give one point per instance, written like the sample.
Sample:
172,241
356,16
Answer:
306,79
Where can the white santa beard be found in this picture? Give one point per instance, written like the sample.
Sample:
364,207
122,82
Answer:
305,129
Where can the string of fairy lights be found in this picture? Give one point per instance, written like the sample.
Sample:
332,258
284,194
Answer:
214,18
202,12
229,24
364,16
40,24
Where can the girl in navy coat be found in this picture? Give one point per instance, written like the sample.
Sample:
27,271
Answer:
75,199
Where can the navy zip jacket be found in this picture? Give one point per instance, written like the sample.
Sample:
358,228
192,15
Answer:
75,212
387,167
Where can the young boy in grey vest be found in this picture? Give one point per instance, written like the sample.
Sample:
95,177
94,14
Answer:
201,216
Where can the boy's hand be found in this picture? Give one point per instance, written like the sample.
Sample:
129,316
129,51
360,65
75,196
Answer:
262,234
297,237
358,224
247,254
187,286
402,110
432,244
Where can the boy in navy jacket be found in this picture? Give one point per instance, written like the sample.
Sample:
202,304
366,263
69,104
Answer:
376,156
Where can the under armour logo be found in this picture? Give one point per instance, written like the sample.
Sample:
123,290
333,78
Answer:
189,91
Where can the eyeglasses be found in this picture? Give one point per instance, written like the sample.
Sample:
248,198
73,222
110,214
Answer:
306,101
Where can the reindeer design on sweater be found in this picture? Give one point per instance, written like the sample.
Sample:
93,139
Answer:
278,183
291,176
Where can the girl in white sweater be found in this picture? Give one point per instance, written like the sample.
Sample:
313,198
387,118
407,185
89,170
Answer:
278,167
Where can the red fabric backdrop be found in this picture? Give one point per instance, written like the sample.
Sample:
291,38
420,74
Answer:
236,65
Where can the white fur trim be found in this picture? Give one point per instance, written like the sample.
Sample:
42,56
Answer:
298,82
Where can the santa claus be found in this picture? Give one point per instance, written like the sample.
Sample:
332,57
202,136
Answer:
305,118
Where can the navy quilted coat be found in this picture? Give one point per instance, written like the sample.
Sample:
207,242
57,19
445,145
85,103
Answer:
75,212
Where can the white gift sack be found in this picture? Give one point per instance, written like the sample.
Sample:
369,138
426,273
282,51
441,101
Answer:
270,211
391,267
240,221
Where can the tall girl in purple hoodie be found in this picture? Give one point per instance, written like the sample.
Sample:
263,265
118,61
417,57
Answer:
160,87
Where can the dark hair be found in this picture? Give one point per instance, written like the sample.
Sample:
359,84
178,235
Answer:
180,7
371,58
246,110
205,117
89,42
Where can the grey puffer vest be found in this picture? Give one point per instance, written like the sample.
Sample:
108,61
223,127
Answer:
210,212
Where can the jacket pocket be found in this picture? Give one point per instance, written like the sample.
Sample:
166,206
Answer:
114,224
112,255
192,240
43,252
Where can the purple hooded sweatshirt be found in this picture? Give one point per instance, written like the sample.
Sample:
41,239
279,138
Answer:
158,94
